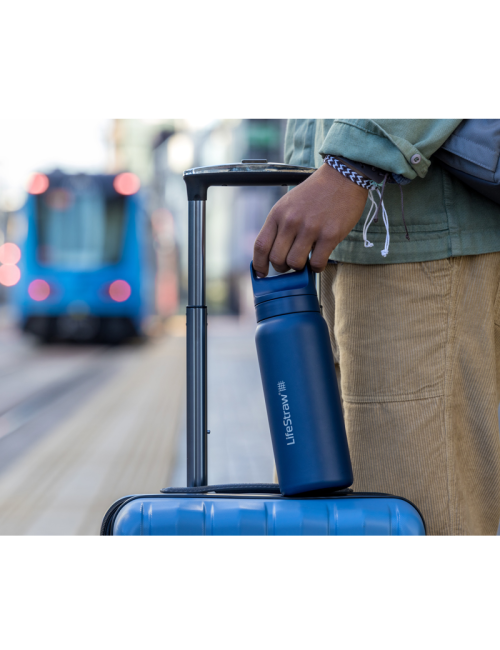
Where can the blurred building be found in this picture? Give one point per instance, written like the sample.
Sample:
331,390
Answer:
260,139
234,215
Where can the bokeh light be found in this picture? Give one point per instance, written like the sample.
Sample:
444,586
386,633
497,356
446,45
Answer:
39,290
119,290
9,253
180,152
126,183
38,184
9,275
12,199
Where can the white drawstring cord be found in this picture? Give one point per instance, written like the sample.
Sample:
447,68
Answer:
370,185
385,251
370,217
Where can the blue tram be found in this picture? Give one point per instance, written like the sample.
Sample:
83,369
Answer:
87,263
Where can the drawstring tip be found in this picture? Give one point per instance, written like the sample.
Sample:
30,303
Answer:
384,253
407,236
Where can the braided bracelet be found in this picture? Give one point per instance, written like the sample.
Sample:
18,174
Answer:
346,171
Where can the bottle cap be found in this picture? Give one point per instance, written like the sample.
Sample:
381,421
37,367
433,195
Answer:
298,283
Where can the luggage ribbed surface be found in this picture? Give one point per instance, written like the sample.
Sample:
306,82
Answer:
267,516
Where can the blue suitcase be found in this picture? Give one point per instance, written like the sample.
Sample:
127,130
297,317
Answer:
243,509
261,512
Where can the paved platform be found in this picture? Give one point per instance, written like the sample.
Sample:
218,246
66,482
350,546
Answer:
239,444
128,435
120,441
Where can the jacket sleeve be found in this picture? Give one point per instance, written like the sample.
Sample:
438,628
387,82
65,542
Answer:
389,144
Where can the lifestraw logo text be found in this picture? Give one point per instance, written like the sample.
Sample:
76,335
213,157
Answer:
287,418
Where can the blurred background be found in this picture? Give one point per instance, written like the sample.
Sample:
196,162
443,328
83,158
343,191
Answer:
93,287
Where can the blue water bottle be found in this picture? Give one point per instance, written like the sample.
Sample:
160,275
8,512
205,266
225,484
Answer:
300,386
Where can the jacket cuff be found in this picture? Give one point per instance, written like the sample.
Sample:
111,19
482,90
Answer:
365,141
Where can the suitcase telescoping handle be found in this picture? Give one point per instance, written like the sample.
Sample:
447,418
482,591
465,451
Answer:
198,180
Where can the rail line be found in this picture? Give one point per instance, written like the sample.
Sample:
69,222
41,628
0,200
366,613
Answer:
24,422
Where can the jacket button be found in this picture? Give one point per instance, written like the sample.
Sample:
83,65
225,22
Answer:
415,159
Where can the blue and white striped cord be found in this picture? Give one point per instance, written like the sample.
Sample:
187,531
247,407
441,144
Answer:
371,186
349,173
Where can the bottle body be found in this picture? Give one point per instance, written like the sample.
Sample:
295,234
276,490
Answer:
303,403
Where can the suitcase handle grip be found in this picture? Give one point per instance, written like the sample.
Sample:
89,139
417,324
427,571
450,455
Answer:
246,173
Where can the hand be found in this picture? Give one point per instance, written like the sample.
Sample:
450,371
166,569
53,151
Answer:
316,215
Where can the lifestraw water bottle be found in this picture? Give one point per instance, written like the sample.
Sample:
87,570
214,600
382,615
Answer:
300,386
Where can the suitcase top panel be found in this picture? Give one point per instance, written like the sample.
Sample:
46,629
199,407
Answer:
265,515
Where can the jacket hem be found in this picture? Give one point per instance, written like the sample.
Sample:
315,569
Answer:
355,253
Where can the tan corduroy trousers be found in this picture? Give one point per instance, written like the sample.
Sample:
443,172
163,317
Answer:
417,348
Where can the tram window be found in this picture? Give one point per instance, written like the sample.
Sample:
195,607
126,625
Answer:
79,230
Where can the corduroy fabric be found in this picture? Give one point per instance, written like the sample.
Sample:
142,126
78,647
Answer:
417,346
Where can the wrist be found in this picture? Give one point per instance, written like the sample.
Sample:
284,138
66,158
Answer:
377,175
349,172
333,176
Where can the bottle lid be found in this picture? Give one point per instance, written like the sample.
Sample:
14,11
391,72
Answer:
288,293
298,283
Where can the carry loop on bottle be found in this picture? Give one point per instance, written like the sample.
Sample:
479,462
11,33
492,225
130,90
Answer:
300,387
200,509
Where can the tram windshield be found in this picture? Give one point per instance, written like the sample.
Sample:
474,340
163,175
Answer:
79,230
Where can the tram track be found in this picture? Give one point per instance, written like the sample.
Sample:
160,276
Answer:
13,418
26,421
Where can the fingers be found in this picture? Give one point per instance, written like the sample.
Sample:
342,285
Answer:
286,247
281,247
262,247
274,243
298,253
322,251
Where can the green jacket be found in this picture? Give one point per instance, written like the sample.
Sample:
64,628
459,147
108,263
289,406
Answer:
444,217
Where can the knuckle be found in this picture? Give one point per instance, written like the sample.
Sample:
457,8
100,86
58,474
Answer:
276,259
295,262
309,230
260,246
318,267
291,222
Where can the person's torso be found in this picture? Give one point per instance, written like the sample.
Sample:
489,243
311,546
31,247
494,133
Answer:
444,217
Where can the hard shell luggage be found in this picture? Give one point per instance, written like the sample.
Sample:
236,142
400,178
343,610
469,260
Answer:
243,509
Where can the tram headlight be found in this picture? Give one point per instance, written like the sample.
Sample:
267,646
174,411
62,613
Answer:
39,290
119,291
